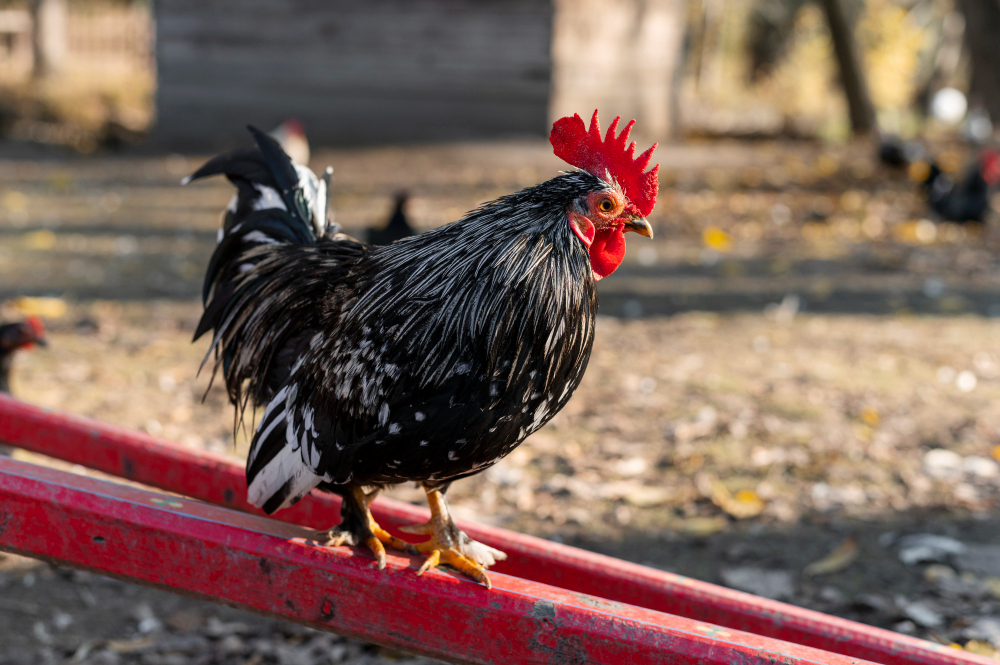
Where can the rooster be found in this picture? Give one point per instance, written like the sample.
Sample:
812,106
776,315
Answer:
291,135
426,360
968,200
14,337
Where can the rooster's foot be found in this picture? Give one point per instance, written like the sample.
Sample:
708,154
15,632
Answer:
362,529
450,545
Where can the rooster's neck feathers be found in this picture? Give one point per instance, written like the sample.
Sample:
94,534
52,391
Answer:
513,261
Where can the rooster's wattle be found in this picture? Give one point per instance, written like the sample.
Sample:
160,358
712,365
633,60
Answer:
425,360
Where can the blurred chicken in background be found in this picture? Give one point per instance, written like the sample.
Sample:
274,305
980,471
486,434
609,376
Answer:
14,337
397,227
292,137
965,201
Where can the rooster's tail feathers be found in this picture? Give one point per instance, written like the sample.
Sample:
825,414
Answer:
262,268
267,179
280,466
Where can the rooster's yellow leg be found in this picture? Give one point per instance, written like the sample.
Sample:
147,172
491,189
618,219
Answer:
450,545
360,528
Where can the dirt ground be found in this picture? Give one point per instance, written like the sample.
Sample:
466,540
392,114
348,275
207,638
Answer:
795,389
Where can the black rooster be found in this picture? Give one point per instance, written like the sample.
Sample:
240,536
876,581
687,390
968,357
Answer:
13,337
16,336
969,199
426,360
397,228
897,153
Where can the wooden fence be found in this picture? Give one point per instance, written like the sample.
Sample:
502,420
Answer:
92,37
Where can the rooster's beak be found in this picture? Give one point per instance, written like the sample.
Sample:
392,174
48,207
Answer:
640,226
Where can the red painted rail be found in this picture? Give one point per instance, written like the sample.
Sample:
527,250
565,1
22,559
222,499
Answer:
271,567
218,480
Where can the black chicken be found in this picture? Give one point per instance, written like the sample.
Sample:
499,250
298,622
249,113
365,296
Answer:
16,336
426,360
13,337
969,199
897,153
397,228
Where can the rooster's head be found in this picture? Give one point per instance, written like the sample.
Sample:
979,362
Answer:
22,335
602,217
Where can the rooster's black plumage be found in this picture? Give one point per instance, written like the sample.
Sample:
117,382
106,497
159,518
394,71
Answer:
426,360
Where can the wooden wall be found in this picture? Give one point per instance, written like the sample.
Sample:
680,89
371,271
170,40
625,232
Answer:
353,71
386,71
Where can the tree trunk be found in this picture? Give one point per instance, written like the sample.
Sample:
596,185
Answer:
852,77
620,56
982,39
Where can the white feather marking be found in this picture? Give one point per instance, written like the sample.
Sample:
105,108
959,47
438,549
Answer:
383,415
258,236
279,418
285,466
269,198
279,398
419,416
541,413
233,202
394,428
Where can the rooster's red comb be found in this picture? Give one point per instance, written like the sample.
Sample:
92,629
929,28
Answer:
37,326
990,161
583,148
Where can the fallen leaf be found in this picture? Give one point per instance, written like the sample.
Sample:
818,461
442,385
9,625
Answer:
745,504
871,416
841,557
717,239
41,240
128,646
50,308
647,497
981,649
918,171
702,526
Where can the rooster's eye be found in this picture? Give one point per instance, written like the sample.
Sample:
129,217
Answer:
606,205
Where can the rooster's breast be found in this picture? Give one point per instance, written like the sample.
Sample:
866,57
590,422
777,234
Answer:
455,383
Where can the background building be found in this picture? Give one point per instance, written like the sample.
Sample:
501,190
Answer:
395,70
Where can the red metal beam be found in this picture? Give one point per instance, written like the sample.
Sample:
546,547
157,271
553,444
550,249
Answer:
218,480
271,567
